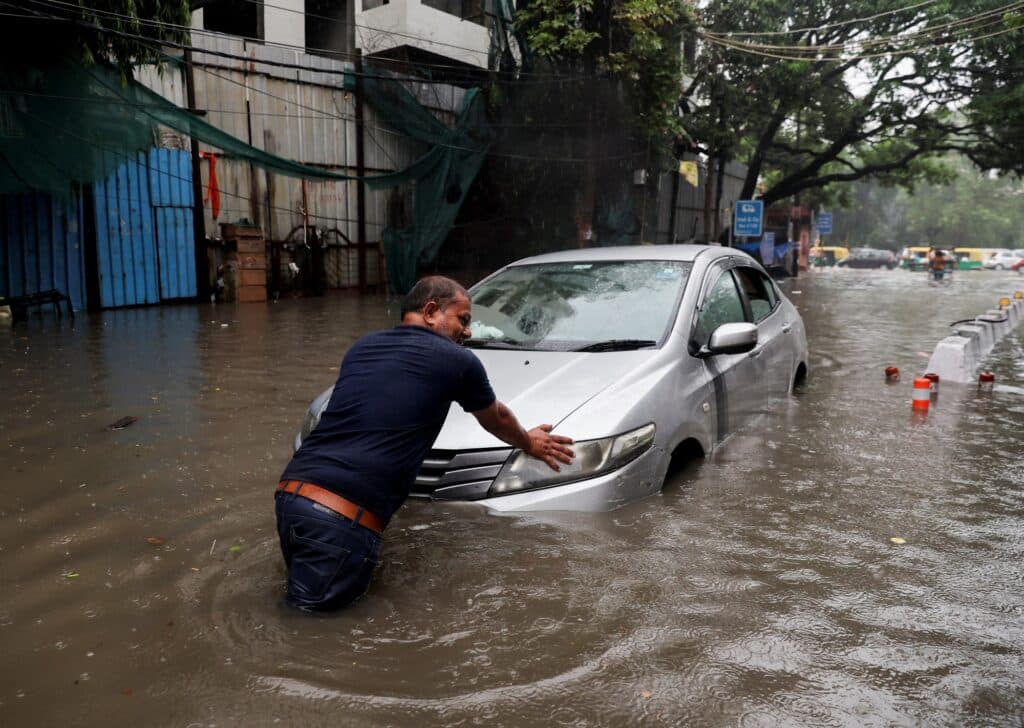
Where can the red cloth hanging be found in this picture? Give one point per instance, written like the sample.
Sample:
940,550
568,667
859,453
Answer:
212,190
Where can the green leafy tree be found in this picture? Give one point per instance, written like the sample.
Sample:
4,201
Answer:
125,33
996,109
972,209
848,91
636,43
615,111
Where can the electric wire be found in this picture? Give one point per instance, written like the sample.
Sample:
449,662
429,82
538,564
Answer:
984,19
506,155
470,75
936,36
836,24
743,48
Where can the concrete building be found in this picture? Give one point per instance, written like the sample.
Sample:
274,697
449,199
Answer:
439,32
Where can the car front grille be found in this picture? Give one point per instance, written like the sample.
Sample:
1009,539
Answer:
459,475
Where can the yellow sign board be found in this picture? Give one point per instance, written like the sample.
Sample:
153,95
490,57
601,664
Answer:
688,171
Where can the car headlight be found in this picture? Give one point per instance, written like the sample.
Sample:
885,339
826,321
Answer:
309,422
313,415
593,458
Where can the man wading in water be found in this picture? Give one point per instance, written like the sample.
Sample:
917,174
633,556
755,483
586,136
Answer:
357,467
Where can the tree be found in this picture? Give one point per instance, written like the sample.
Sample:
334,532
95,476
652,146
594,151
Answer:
634,42
600,103
844,92
972,209
996,108
125,33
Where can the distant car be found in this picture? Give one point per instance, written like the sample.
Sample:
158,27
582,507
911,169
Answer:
1018,266
1002,259
868,258
645,355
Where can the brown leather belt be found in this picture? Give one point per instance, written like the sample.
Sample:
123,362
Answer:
335,502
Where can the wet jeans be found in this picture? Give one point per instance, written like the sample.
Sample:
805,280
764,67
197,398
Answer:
330,559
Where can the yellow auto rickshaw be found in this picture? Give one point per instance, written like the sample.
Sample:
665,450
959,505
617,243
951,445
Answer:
969,258
822,256
914,257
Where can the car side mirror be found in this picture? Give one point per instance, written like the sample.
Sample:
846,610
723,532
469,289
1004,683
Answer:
736,338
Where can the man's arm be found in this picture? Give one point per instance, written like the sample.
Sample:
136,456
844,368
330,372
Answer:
498,420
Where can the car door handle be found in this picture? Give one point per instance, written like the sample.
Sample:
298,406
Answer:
786,327
754,353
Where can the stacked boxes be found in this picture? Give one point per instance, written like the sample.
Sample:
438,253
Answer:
247,254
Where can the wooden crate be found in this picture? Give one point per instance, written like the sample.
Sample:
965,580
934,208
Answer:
251,294
234,232
252,261
252,277
251,245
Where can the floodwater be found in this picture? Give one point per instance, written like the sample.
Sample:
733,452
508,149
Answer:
142,582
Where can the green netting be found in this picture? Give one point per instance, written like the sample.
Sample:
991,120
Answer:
67,124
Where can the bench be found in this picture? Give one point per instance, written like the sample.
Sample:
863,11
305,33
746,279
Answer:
20,304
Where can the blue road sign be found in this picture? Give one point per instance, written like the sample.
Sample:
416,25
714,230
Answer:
824,223
748,216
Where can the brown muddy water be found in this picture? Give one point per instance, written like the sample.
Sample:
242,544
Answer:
142,583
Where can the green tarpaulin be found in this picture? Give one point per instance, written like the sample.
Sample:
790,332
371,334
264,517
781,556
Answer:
69,124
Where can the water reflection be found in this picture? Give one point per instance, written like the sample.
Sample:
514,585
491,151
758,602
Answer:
760,588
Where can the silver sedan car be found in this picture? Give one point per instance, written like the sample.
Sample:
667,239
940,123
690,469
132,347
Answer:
645,355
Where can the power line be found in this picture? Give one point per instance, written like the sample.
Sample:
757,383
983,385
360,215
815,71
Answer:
134,158
990,17
339,21
319,115
936,34
836,24
754,50
469,75
505,155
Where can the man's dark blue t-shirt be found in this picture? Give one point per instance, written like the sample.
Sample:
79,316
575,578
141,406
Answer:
391,398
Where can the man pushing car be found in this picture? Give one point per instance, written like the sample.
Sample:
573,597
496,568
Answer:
357,467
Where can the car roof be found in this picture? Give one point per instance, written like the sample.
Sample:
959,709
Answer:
687,253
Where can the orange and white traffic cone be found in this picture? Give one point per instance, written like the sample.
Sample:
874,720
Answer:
922,394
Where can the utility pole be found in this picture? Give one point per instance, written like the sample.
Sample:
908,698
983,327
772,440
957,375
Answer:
198,213
360,172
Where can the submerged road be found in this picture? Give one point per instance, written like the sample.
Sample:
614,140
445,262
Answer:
142,580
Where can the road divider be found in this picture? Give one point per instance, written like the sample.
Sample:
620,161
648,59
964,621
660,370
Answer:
957,357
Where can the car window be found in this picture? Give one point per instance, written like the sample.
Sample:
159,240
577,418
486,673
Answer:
721,306
758,291
569,305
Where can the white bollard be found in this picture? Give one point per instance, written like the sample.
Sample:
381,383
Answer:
953,360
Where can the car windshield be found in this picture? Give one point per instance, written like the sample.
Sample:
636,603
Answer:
575,306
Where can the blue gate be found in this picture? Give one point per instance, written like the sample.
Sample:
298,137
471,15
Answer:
41,245
145,244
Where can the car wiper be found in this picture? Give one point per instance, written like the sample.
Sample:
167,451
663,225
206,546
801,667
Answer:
503,343
618,345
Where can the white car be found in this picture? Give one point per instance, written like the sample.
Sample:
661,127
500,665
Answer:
1002,259
645,355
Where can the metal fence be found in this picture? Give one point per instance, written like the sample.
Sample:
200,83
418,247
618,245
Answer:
307,116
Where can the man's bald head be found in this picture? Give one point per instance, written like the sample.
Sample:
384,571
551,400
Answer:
438,289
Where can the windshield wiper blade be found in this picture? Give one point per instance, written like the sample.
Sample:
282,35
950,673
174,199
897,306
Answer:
618,345
503,343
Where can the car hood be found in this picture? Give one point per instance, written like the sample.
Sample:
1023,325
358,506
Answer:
540,387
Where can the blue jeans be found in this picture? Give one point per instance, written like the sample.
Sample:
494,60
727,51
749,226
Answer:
330,559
